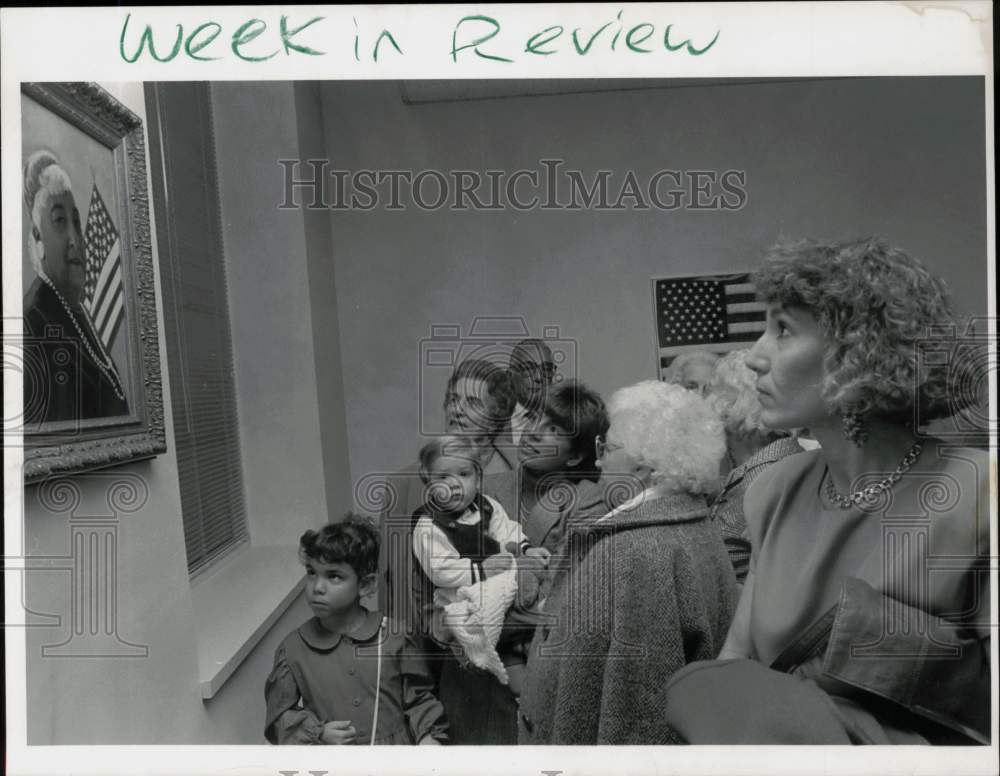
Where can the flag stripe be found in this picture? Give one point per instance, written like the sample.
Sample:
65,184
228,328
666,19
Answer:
750,327
108,330
745,317
747,307
743,299
745,336
103,290
109,281
102,324
107,301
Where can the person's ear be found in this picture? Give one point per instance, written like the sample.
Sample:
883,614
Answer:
39,246
575,461
368,584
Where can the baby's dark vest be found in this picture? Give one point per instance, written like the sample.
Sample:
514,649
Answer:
470,541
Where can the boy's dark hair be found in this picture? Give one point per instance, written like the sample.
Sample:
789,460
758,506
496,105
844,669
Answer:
354,541
580,411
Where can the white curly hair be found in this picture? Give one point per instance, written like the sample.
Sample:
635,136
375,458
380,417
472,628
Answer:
672,430
733,394
675,372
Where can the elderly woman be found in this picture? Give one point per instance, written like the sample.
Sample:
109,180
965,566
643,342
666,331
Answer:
750,448
843,633
74,377
649,586
693,370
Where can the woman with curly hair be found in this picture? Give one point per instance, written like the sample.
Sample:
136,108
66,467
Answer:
750,448
864,616
649,586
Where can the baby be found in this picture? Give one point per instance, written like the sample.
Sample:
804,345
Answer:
461,537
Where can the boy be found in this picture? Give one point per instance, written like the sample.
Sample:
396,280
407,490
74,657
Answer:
345,677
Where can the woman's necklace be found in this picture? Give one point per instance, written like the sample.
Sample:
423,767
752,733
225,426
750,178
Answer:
869,494
105,364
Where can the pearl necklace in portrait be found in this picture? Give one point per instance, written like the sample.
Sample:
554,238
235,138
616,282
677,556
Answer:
104,363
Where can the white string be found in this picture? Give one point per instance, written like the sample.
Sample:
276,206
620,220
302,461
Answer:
378,682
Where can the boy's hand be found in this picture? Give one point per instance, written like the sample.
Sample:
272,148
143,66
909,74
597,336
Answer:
497,564
428,741
539,552
339,732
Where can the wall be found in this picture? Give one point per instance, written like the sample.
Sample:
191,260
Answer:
900,158
279,277
324,309
294,461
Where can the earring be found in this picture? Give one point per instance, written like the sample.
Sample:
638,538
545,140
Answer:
854,428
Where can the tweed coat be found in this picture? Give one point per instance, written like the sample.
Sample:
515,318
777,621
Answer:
645,591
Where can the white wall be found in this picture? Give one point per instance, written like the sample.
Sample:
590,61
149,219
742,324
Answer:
279,274
899,158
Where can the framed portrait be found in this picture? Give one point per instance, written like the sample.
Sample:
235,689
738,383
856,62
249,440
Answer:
92,388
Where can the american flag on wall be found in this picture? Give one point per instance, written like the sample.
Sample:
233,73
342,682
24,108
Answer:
103,293
718,313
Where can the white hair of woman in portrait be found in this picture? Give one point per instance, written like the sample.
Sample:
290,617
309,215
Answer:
87,383
43,178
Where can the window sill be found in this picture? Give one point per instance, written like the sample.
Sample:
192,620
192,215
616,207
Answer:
235,605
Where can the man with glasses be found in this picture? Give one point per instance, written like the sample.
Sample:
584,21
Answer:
533,370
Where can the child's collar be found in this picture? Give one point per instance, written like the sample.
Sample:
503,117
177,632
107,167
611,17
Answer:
319,638
478,504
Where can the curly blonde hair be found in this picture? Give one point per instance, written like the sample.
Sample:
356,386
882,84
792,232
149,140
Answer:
672,430
876,304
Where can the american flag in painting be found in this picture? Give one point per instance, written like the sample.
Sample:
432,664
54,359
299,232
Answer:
103,293
718,313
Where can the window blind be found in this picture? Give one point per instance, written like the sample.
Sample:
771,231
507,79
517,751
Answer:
196,315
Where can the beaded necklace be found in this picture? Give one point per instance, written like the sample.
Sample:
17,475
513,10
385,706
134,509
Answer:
105,363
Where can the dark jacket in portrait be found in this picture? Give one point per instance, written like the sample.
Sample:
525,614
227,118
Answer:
62,380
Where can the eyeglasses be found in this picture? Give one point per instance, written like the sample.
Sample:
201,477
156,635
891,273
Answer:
525,367
602,447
